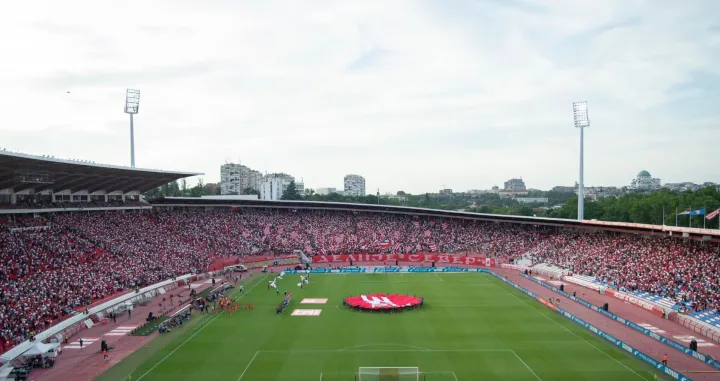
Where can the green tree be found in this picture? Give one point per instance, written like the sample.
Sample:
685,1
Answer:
291,192
646,208
251,191
183,187
197,190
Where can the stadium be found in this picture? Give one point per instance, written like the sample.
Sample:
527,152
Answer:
101,284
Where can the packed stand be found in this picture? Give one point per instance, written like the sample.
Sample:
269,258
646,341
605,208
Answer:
686,272
22,222
47,204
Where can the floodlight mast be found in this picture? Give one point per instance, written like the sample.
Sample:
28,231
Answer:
132,107
580,116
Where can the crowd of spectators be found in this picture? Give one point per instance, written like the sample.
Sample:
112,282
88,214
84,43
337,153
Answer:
48,204
22,221
81,257
686,272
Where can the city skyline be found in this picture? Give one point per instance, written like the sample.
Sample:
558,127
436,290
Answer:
512,183
410,95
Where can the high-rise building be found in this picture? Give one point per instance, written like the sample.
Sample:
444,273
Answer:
273,186
236,178
325,191
354,185
515,185
231,178
254,179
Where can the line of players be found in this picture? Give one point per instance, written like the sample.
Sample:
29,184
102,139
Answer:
304,280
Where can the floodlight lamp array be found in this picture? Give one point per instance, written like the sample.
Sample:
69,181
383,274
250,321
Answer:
580,114
132,101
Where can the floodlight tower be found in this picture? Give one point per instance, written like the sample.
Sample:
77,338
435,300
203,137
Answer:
580,116
132,106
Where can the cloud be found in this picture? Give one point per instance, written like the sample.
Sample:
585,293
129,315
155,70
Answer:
409,94
120,77
369,59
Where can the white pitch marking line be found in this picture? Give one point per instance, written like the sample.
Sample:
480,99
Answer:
383,345
454,376
472,305
567,329
320,376
384,350
196,332
438,276
251,361
527,366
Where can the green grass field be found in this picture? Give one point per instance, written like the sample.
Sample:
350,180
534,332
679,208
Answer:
472,327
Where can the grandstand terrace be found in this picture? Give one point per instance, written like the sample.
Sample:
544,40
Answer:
44,182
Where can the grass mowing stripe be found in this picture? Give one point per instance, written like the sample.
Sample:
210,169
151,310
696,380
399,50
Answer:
193,335
527,366
502,287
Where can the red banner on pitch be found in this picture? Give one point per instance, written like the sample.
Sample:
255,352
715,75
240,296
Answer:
440,260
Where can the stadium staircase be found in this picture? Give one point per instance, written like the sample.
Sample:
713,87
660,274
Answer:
711,317
549,270
664,302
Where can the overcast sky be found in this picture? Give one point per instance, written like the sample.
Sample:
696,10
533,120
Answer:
410,94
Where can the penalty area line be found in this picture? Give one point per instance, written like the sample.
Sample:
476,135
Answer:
251,361
527,366
194,334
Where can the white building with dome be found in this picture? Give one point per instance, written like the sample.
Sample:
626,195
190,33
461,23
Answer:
645,182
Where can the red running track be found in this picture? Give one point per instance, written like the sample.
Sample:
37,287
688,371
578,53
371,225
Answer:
637,315
87,363
679,361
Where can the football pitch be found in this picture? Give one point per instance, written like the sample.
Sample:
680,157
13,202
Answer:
471,327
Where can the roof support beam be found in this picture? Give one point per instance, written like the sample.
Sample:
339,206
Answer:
137,185
61,184
102,185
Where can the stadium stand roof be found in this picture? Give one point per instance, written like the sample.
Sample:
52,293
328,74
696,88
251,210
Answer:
21,172
346,206
620,227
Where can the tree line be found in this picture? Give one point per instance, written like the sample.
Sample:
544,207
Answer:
656,208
